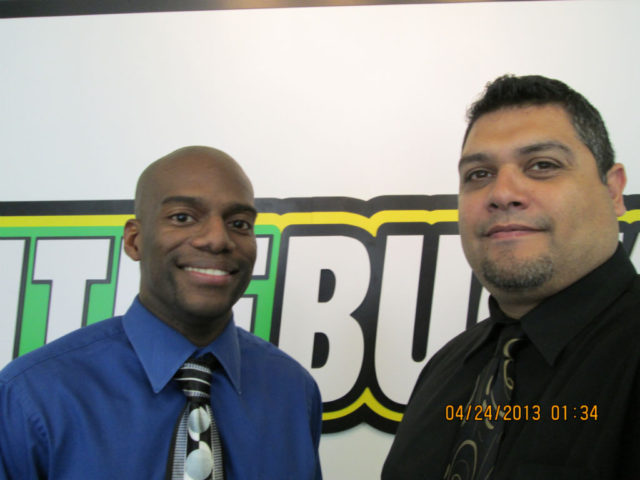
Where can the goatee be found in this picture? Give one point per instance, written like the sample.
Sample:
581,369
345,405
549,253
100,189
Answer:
511,274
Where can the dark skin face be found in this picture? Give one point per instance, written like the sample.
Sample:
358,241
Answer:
193,235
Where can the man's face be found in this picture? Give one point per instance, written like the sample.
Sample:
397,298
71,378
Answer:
195,240
534,213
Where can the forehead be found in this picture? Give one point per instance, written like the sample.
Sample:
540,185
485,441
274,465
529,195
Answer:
515,127
217,179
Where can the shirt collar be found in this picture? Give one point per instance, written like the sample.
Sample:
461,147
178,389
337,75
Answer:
162,350
552,324
490,327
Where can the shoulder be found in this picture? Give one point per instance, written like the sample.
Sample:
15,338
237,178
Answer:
634,290
621,319
258,354
622,327
260,349
77,344
463,343
453,353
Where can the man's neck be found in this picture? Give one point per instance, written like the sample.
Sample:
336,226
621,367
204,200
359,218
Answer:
516,304
200,331
515,309
201,335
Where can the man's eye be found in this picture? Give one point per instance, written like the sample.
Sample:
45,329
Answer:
543,165
476,175
241,225
181,217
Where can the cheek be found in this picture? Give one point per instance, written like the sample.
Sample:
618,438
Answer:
467,239
572,212
466,216
247,248
167,241
157,257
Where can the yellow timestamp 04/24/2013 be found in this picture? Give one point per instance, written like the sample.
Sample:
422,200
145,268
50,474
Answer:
518,412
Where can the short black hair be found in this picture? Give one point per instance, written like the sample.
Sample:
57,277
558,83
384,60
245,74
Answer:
535,90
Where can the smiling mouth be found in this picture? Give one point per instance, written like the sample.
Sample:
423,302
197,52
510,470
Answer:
214,272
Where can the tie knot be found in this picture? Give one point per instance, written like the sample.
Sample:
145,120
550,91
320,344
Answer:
194,378
510,340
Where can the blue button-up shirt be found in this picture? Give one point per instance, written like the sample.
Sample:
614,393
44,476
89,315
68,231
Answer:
100,403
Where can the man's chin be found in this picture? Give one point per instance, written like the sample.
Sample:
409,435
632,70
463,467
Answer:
211,313
513,274
205,310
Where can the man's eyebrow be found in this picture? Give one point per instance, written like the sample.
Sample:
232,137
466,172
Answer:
472,158
544,146
241,208
195,202
521,151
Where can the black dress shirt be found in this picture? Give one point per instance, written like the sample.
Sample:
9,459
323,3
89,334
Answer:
577,388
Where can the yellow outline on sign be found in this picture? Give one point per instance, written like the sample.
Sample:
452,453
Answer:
65,221
280,221
368,399
631,216
369,224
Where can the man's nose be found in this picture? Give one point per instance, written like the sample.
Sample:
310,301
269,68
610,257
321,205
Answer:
509,189
213,235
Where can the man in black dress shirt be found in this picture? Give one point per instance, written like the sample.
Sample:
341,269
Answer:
538,205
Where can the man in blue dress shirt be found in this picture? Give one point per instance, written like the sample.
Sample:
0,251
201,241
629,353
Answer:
100,402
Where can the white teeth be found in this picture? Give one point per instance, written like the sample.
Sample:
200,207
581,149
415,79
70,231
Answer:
207,271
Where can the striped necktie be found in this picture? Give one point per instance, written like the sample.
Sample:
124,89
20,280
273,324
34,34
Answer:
196,453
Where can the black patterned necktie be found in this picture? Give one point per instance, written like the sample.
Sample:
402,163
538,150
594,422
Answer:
196,453
476,448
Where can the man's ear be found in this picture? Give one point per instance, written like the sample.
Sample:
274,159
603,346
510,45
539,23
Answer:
616,181
132,239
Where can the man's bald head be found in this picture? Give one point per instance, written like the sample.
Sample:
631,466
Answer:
194,238
183,158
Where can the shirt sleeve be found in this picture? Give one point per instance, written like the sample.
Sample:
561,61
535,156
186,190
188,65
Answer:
20,445
629,465
316,425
